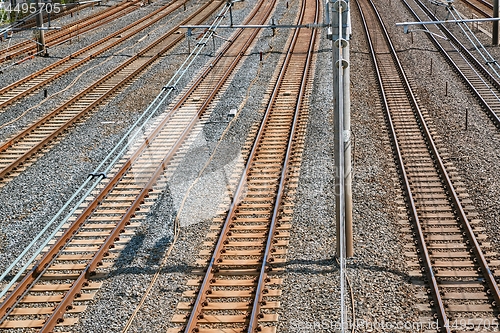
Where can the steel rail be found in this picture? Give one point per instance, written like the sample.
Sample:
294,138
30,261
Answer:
459,211
479,9
209,273
482,2
427,263
253,324
464,51
144,118
14,26
134,27
81,26
45,141
486,3
211,269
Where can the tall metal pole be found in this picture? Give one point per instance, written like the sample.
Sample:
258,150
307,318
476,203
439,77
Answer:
347,152
342,104
495,23
339,16
39,32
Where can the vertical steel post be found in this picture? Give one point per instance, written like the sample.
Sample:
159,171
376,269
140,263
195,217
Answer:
347,153
495,23
339,33
39,32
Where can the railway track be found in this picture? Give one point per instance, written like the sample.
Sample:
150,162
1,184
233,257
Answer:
482,7
473,72
21,150
50,296
53,38
29,84
454,257
236,287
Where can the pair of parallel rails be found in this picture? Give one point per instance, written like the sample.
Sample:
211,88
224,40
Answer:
483,7
239,290
473,69
453,254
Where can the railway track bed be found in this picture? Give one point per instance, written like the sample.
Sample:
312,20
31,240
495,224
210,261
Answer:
454,255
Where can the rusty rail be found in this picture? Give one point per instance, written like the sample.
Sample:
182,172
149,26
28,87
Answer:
306,45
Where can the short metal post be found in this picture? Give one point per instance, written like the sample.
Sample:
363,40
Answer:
188,37
45,93
431,66
260,55
411,34
446,89
231,13
466,119
495,23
